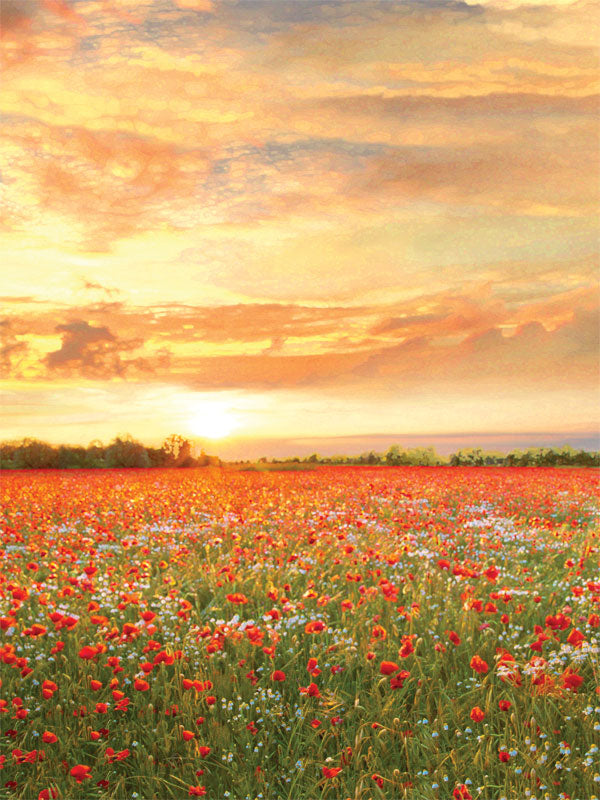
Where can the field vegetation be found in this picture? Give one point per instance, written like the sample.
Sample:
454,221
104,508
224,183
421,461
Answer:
406,632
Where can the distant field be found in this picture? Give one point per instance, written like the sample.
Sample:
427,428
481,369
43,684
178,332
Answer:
426,633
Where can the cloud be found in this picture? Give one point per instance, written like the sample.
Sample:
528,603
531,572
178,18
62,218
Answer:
13,350
15,15
94,352
204,6
109,291
531,357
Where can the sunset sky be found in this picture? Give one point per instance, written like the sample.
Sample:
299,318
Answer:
311,225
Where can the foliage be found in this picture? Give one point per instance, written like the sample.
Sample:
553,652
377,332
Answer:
533,457
123,451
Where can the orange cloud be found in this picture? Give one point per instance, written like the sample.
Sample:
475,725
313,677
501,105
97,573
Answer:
90,351
205,6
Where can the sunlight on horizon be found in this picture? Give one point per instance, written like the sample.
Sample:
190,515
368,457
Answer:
213,421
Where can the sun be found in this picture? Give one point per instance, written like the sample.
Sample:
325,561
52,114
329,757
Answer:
212,422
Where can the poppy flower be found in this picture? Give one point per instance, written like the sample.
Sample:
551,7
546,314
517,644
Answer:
49,738
388,667
187,735
204,750
80,772
575,638
504,705
278,675
140,685
504,756
479,665
397,681
461,792
196,791
237,599
407,647
571,680
477,714
314,627
88,652
331,772
48,794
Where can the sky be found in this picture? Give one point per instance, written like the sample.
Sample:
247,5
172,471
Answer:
286,226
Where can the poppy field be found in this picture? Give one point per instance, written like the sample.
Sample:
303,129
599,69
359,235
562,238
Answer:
399,632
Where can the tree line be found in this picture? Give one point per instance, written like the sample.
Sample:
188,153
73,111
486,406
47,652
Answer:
176,451
123,451
467,457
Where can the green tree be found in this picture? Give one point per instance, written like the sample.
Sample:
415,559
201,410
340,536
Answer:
126,452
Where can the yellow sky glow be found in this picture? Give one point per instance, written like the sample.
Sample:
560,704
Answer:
264,221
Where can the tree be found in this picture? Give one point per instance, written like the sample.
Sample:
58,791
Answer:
126,452
33,454
95,454
177,450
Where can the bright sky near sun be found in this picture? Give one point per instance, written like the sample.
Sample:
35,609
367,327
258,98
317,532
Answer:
280,219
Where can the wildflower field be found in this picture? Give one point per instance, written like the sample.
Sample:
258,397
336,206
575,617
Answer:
343,633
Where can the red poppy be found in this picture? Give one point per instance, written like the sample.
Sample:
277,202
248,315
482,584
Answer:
388,667
461,792
477,714
575,638
80,772
331,772
278,675
407,647
571,680
237,599
314,627
397,681
48,794
479,665
49,738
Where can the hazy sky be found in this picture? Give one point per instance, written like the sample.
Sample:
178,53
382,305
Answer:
299,219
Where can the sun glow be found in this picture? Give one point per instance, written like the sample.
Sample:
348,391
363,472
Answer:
213,422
